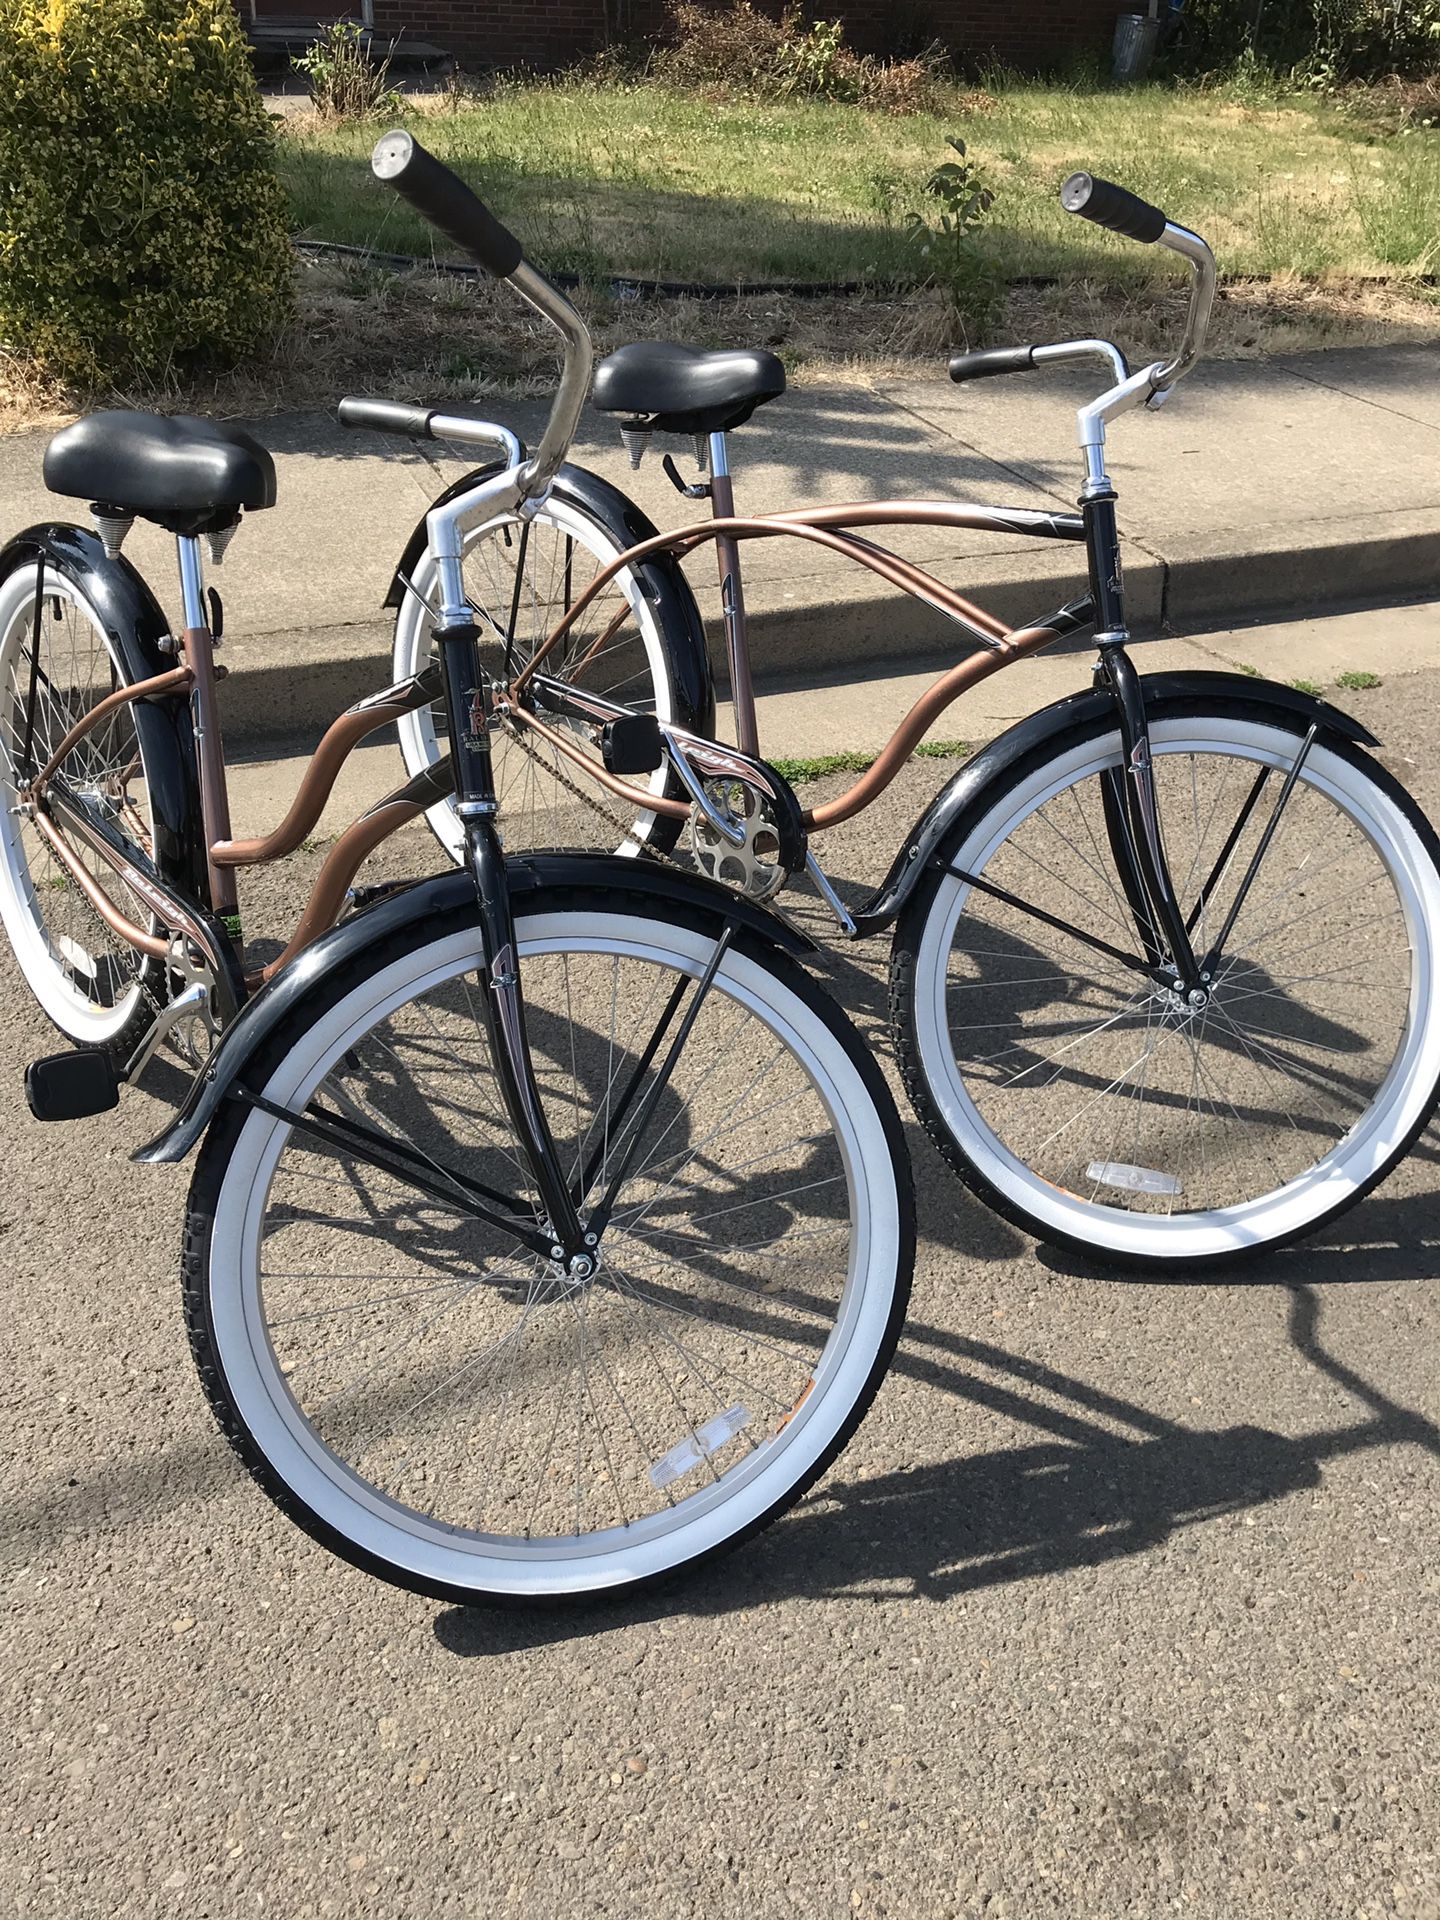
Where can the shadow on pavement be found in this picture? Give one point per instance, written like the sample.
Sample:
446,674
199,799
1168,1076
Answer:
1388,1237
1079,1499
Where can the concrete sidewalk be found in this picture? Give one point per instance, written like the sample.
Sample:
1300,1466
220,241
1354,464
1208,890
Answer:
1282,486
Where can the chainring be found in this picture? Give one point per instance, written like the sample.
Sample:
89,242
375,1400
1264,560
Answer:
754,867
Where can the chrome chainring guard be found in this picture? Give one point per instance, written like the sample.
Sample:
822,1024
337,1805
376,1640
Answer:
754,867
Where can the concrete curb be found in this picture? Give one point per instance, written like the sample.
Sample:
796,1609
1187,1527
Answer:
297,682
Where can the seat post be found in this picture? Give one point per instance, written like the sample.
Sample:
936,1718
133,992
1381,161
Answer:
199,647
732,598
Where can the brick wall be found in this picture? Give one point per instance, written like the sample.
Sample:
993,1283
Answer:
1030,34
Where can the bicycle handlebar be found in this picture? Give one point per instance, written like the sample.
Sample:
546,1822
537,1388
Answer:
1118,210
386,416
1115,208
986,362
442,198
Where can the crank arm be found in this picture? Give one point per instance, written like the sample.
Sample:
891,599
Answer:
194,1000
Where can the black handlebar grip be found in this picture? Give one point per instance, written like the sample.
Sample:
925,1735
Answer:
386,416
443,199
1113,207
988,361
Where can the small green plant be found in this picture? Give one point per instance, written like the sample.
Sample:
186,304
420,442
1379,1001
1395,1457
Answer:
942,239
1251,673
345,83
942,750
815,60
1307,686
1357,680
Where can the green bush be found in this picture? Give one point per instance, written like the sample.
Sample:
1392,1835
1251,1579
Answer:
143,229
734,49
1326,41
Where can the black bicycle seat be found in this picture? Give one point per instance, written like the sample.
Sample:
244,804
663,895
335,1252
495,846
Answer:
188,474
666,388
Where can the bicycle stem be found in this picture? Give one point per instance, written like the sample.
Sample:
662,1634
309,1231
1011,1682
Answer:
565,409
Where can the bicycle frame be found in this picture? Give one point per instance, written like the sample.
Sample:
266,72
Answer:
210,926
1134,817
1132,812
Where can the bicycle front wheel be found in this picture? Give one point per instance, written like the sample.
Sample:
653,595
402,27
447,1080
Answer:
1087,1104
454,1414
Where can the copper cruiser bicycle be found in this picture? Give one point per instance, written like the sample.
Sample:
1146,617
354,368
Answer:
1164,960
496,1293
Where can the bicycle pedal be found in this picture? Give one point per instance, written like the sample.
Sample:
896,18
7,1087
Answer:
72,1086
632,744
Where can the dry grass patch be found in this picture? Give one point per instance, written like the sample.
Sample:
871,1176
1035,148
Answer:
427,337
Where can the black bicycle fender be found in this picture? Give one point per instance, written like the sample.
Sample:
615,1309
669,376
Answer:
135,622
1163,691
661,580
441,895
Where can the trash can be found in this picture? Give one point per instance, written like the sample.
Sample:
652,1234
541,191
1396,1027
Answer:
1135,37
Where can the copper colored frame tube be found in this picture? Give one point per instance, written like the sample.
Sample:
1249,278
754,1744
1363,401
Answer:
343,862
921,717
169,682
315,787
122,928
818,525
199,645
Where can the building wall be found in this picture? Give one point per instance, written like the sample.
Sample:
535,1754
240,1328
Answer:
1030,34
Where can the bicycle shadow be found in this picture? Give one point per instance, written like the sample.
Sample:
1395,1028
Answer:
1079,1498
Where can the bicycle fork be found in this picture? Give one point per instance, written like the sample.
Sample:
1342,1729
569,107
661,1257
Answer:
501,999
573,1241
1132,811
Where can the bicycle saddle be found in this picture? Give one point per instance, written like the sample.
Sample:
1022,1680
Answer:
672,389
190,475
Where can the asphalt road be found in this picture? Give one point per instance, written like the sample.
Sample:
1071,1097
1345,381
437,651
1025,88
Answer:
1122,1602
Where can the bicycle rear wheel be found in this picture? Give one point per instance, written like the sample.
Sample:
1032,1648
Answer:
522,576
1084,1102
456,1415
90,983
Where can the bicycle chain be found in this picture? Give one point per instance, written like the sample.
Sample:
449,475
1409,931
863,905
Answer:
624,829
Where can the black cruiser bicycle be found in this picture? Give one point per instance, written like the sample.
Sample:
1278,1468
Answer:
1164,962
551,1229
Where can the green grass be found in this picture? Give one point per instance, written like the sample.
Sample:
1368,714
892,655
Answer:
641,179
1307,686
1356,680
799,771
